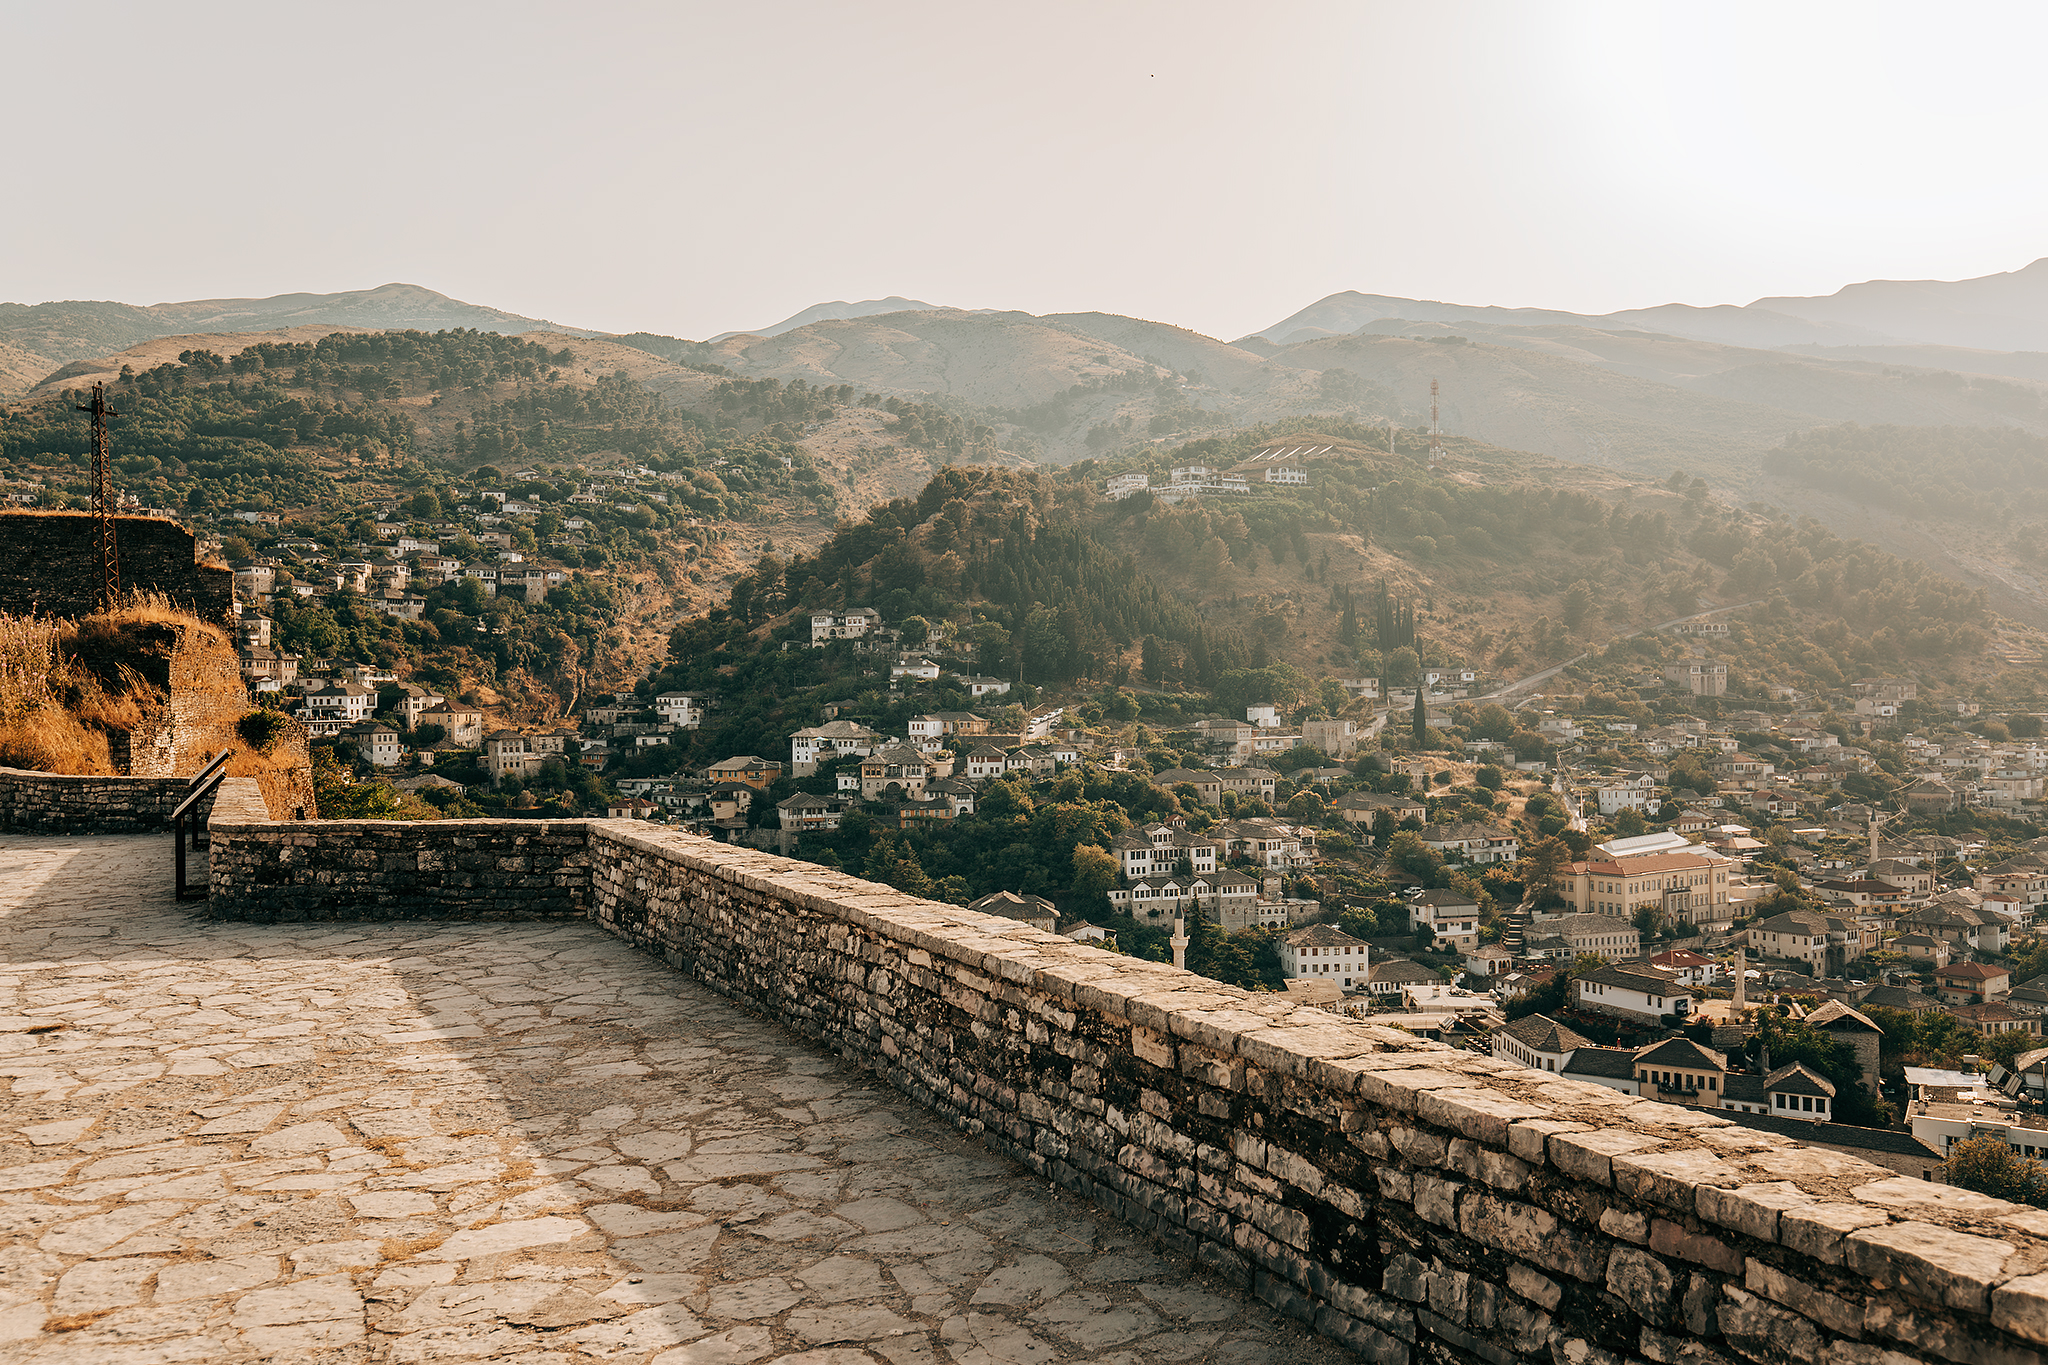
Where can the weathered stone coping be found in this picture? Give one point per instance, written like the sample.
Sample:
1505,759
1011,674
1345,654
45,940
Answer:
1411,1199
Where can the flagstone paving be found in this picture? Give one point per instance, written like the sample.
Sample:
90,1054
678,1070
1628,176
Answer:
361,1143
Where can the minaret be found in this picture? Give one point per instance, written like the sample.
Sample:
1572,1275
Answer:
1180,943
1436,431
1741,980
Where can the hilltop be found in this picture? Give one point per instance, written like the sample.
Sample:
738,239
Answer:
84,330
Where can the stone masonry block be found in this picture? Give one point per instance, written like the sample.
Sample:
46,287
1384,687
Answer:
1763,1331
1527,1139
1476,1114
1643,1282
1400,1090
1669,1178
1152,1047
1589,1156
1752,1210
1817,1230
1531,1233
1671,1239
1831,1311
1929,1262
2021,1307
1532,1286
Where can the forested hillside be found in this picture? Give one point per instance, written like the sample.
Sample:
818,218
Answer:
1994,474
1227,601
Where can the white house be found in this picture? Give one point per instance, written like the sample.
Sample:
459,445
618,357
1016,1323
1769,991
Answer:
914,666
823,743
1637,796
1473,842
1645,994
340,701
679,709
985,761
1453,918
378,745
1538,1042
1790,1091
1156,849
827,626
1322,952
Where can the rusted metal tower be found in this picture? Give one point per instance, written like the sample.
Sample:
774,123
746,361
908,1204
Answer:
108,588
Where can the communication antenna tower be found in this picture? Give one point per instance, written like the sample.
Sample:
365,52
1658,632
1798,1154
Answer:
1436,431
107,556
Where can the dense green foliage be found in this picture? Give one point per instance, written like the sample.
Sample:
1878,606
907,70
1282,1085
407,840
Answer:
1990,474
1988,1164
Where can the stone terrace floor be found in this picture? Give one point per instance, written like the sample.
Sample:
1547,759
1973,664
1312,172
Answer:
367,1143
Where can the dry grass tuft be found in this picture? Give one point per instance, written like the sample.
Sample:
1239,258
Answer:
65,685
72,1322
399,1248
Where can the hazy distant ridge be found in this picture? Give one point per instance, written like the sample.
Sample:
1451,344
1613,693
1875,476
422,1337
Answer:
838,311
77,329
2003,312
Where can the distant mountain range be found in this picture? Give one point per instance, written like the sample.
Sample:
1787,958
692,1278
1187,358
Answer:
1642,390
2004,312
86,330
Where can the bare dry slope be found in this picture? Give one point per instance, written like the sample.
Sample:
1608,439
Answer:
1177,348
21,370
997,360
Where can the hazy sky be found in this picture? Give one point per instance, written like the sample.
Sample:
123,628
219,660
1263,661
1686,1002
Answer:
693,168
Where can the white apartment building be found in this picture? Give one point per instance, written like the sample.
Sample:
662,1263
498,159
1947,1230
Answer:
1323,952
378,746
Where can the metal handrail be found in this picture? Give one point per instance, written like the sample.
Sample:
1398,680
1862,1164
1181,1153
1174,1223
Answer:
196,794
186,818
218,760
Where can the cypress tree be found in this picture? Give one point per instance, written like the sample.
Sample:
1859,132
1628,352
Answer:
1421,718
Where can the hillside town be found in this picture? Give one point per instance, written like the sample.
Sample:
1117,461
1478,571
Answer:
1636,873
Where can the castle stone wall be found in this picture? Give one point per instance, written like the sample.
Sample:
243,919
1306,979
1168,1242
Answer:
48,565
1417,1202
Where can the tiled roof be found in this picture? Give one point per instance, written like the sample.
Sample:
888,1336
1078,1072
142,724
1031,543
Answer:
1682,1052
1541,1033
1612,1063
1795,1079
1322,936
1839,1018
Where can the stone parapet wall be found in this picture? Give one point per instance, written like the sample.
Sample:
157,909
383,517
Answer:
54,803
294,871
1414,1201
